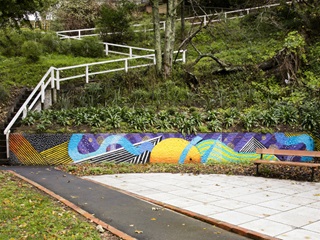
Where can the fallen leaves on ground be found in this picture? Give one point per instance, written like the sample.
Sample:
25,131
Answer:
244,169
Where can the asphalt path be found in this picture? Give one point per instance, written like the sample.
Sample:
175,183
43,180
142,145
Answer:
135,217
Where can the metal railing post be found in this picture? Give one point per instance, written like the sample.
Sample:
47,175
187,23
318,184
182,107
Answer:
126,65
8,143
79,34
107,49
205,20
52,78
58,79
87,74
43,95
53,91
184,56
24,113
130,52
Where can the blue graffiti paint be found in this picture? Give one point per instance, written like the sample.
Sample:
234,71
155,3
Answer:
289,141
114,139
185,151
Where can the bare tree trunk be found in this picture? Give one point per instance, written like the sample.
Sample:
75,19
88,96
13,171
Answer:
183,26
157,35
169,37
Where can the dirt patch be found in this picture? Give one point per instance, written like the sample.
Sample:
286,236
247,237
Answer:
6,106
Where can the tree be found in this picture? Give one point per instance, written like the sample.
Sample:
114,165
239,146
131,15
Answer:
157,35
115,20
165,56
13,13
76,14
164,65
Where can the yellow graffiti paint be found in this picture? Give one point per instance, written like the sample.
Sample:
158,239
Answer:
170,150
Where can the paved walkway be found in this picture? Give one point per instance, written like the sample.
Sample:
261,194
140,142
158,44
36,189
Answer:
279,208
135,218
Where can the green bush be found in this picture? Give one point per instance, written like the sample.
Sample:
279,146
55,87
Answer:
10,43
76,48
65,47
87,47
51,42
32,50
92,47
32,35
116,21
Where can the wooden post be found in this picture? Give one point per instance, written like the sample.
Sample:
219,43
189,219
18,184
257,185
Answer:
257,169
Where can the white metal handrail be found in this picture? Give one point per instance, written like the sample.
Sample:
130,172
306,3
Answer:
130,48
24,109
63,34
52,78
87,72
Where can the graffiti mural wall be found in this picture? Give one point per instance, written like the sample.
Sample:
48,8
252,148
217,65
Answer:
137,148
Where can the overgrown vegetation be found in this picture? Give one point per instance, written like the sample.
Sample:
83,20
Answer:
33,44
269,82
115,20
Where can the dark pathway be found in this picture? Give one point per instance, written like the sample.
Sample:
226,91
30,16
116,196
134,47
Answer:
122,211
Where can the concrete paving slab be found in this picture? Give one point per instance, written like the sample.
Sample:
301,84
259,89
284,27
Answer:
284,209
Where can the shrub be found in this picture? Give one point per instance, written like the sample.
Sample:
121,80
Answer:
92,47
10,43
116,21
32,50
51,42
87,47
65,46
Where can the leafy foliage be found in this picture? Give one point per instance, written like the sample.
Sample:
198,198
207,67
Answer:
75,14
115,20
118,119
246,100
13,13
31,50
87,47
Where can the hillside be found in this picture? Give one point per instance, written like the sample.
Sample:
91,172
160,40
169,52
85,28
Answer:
268,83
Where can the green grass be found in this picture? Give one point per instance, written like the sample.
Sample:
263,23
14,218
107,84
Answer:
25,213
16,71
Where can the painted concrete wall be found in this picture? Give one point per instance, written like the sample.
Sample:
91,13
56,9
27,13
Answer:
53,149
